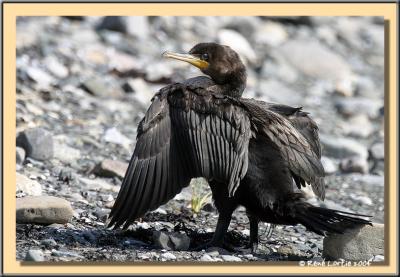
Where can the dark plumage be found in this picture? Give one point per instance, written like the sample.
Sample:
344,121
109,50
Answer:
250,151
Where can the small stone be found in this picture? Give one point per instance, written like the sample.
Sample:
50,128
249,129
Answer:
99,87
48,242
37,143
377,151
378,258
111,168
27,186
55,67
286,95
43,210
229,258
340,147
168,256
113,23
98,185
206,258
359,244
354,165
42,78
20,155
171,241
138,26
65,153
34,255
59,253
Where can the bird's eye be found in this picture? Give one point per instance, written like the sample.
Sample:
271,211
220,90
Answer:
204,57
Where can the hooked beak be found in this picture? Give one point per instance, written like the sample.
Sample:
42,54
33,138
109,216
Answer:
193,60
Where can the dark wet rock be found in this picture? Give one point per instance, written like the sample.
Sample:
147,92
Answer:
20,155
37,142
360,244
43,210
354,164
27,186
171,241
34,255
111,168
113,23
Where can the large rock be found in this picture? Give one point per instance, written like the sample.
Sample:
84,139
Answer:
340,147
314,59
354,106
111,168
37,143
28,186
43,210
359,244
171,241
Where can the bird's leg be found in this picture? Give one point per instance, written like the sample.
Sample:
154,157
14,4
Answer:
217,240
251,246
253,243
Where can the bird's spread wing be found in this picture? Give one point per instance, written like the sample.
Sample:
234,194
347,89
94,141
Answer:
184,134
296,137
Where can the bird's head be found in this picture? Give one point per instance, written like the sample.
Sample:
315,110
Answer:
219,62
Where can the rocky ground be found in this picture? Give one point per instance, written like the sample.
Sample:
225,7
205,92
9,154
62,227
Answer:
84,83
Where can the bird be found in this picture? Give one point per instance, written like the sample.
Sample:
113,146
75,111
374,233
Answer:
252,153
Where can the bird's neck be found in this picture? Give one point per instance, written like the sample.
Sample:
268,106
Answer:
235,84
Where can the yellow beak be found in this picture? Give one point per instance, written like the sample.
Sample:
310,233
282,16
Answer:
193,60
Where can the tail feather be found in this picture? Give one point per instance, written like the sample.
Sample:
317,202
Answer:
323,221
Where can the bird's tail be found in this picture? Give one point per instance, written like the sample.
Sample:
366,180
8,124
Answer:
324,221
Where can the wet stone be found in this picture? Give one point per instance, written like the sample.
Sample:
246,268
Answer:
34,255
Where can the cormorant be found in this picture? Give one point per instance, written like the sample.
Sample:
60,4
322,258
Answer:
251,152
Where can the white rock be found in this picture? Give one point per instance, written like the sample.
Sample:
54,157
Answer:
238,43
330,167
113,135
28,186
229,258
360,244
168,256
55,67
271,33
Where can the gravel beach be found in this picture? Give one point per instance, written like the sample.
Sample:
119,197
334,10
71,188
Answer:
84,83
